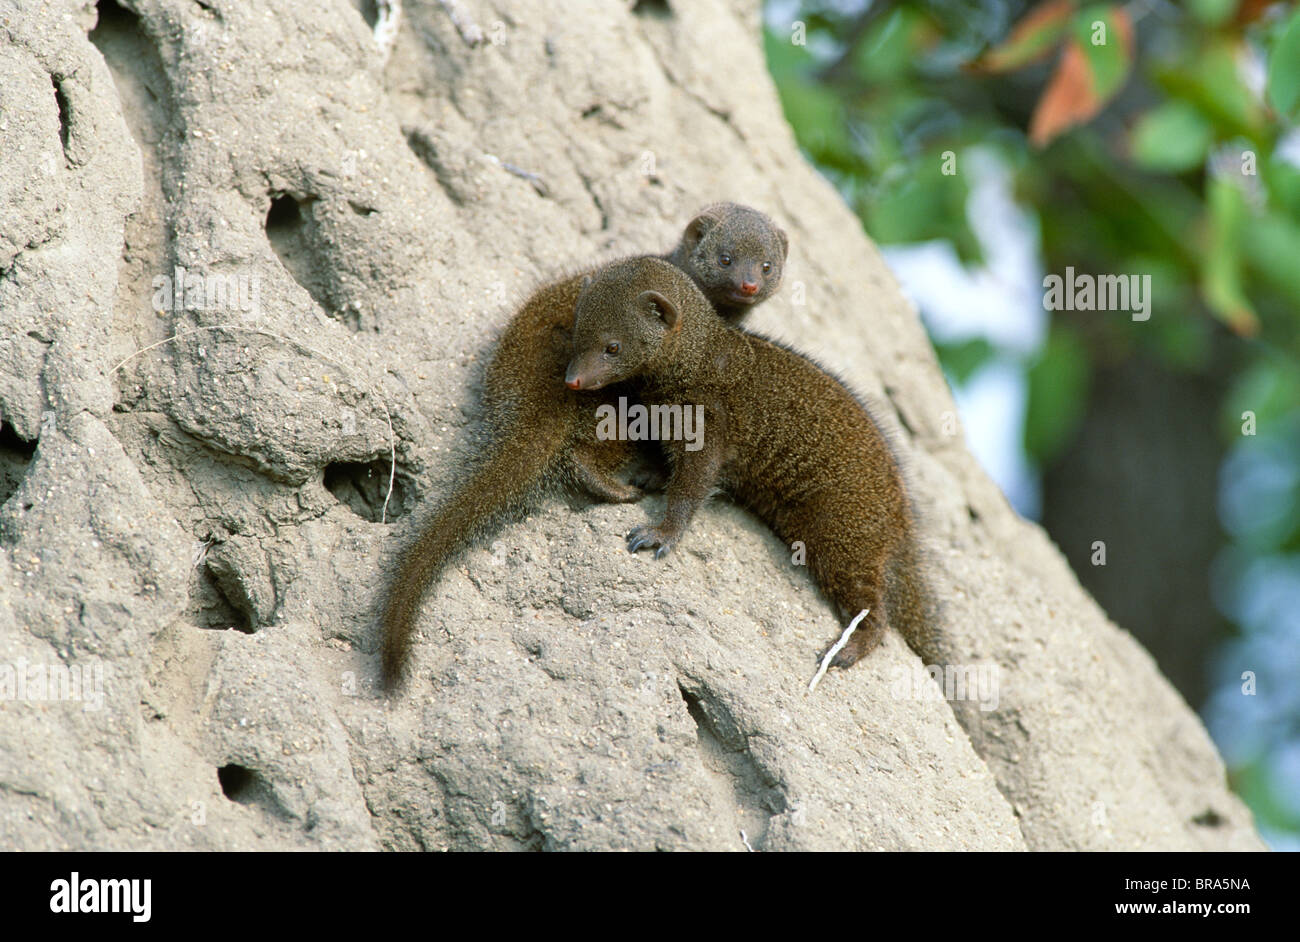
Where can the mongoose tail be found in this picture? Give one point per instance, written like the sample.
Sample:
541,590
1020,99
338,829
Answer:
503,485
914,609
545,434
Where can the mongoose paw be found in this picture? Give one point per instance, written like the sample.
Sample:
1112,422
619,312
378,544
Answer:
847,657
861,643
649,480
624,494
643,537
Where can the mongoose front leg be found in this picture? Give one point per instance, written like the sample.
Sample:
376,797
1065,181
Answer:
694,477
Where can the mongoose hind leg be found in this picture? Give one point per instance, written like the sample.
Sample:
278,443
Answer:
865,592
649,471
592,468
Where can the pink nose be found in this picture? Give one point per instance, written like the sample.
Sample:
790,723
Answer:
575,383
749,287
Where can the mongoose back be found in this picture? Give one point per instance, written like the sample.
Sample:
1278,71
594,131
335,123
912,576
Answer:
781,436
542,433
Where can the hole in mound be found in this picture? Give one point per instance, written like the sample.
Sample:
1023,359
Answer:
147,103
212,607
112,17
361,486
289,229
15,457
659,9
1209,818
132,57
246,786
369,10
65,115
284,218
236,781
696,711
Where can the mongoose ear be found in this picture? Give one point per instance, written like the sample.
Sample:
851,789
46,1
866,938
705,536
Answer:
697,227
661,307
785,243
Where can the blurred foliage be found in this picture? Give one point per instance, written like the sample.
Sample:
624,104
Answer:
1149,137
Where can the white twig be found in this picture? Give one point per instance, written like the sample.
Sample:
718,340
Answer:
744,839
392,437
464,23
836,648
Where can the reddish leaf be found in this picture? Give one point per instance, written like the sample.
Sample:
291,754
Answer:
1248,11
1072,96
1068,99
1031,39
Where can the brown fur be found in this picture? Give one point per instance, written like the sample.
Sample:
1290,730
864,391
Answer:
542,434
781,436
724,248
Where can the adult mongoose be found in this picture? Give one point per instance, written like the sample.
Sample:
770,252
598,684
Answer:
781,436
542,433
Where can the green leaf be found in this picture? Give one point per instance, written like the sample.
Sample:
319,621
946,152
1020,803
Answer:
1272,248
1212,12
1172,138
814,111
1284,69
1269,387
1283,182
1221,282
1104,31
889,49
961,360
1058,394
785,58
1210,78
1033,37
817,116
920,205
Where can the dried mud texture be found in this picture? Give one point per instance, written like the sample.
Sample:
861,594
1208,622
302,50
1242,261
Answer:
204,525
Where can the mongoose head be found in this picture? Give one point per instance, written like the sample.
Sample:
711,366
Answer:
625,314
735,254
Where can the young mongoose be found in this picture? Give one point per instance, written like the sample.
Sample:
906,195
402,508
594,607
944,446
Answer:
735,254
781,436
542,433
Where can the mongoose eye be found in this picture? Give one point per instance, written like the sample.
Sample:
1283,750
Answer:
767,268
613,348
724,259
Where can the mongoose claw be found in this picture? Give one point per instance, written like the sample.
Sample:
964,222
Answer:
645,537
